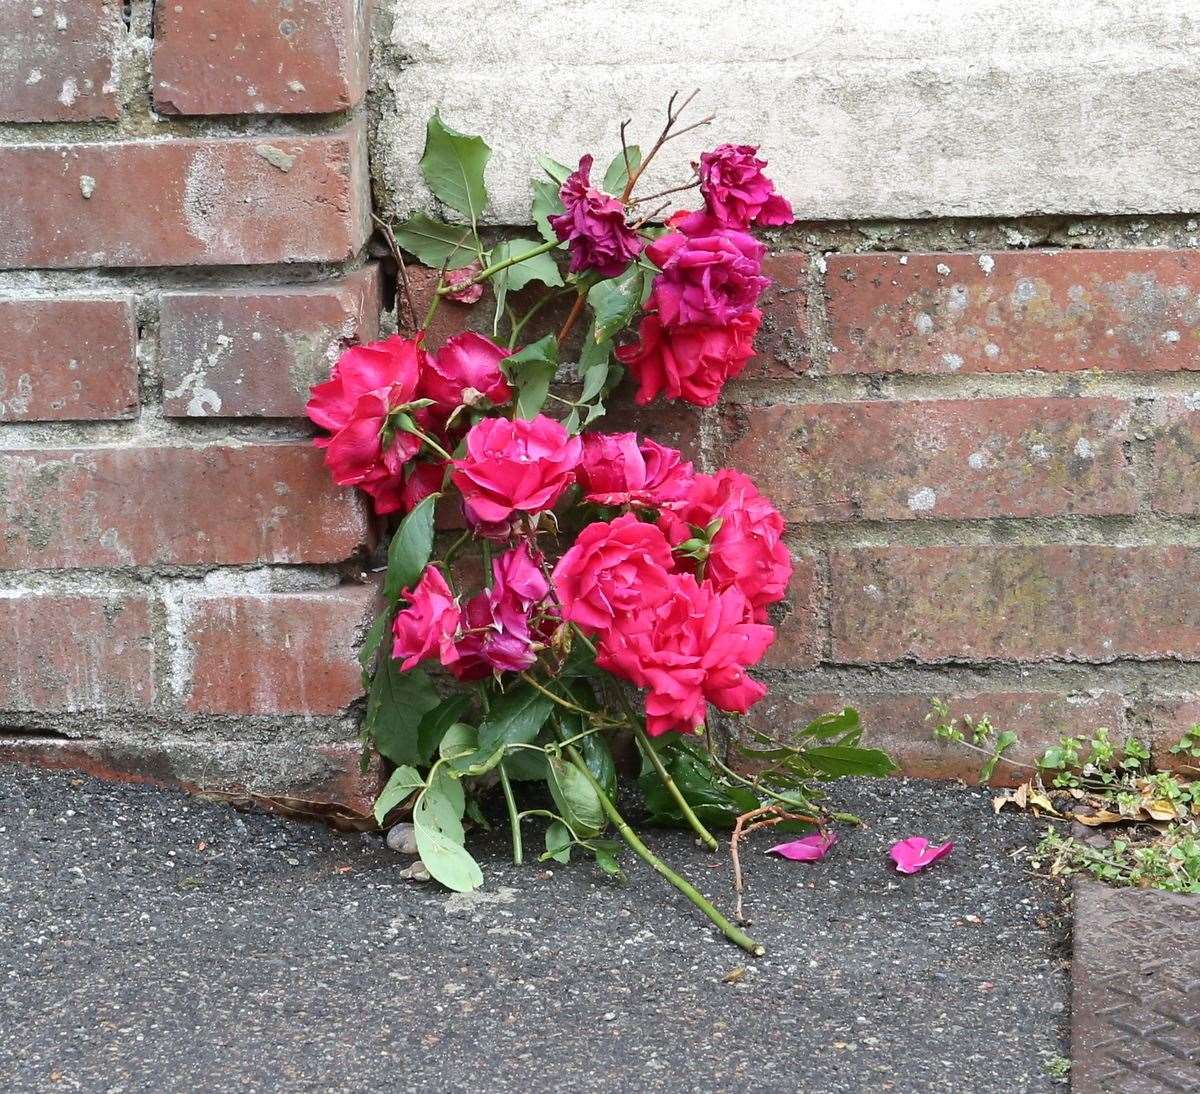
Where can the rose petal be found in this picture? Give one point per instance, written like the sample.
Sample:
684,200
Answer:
808,849
915,853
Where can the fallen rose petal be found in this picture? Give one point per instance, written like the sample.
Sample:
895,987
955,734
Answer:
915,853
808,849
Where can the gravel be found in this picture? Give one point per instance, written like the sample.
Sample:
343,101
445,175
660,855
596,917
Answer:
151,941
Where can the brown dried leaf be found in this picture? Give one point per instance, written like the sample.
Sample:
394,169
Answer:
1101,816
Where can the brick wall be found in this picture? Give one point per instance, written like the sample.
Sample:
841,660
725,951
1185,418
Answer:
185,206
982,432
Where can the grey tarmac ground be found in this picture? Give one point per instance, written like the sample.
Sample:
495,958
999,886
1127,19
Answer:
284,956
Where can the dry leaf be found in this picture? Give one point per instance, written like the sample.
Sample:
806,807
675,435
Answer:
1039,801
1160,810
734,975
1101,816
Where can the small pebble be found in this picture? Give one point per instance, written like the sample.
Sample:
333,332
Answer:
402,838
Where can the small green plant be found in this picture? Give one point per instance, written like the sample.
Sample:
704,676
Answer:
1188,744
1098,783
1058,1067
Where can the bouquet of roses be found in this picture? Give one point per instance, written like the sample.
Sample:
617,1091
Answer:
602,562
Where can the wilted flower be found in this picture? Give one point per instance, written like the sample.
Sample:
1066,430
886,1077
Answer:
594,226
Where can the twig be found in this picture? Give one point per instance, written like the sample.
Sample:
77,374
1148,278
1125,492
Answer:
663,193
668,133
740,829
625,149
389,238
651,215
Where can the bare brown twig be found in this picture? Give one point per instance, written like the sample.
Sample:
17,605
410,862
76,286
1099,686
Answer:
390,239
669,132
772,814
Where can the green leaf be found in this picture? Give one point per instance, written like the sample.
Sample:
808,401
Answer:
531,372
436,722
453,165
558,172
437,825
576,799
558,842
436,244
546,204
380,627
515,718
599,759
607,862
525,764
459,740
396,704
411,547
615,301
539,268
617,176
712,801
835,760
845,725
403,782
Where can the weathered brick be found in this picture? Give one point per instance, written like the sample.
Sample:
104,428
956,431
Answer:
782,342
256,352
65,359
1085,603
955,458
1176,462
896,723
310,779
219,201
797,642
259,56
173,506
1055,311
58,60
75,653
278,653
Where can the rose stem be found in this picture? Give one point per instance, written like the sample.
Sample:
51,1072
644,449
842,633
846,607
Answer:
514,818
734,934
576,308
706,837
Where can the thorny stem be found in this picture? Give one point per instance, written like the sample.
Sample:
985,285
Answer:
514,818
573,315
390,238
697,826
733,933
498,267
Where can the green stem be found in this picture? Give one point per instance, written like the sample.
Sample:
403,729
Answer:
734,934
651,753
514,818
519,325
433,305
497,267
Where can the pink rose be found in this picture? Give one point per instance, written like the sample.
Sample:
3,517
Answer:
369,383
594,226
498,632
617,469
691,362
612,572
466,370
427,626
736,192
515,466
462,291
709,277
747,553
688,651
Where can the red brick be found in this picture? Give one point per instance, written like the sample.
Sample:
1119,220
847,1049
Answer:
1084,603
896,723
181,202
1176,467
782,342
950,458
256,352
311,779
1056,311
259,56
173,506
278,653
75,652
66,359
59,60
797,642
